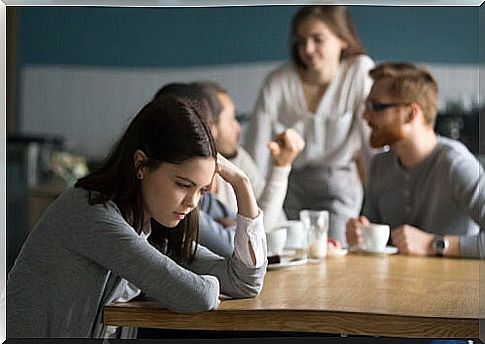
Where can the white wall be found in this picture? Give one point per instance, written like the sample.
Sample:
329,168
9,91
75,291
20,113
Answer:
90,106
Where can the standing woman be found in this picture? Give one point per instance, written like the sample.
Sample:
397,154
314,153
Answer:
90,248
320,93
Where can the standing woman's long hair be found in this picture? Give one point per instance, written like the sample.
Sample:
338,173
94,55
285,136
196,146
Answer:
337,19
168,129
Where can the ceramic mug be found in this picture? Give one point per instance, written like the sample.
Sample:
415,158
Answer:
275,241
375,236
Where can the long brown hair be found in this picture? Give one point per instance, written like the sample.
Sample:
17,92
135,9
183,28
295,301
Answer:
338,20
168,129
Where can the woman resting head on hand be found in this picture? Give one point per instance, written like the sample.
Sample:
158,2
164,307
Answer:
90,247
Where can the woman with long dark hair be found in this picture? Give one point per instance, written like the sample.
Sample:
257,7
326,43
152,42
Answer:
132,227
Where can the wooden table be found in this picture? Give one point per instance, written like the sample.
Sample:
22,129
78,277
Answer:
396,296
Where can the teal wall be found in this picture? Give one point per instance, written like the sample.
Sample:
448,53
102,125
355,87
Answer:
173,37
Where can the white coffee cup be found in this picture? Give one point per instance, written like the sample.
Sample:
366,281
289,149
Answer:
375,236
295,234
276,240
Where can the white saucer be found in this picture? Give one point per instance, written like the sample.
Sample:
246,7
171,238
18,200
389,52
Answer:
387,250
339,252
287,262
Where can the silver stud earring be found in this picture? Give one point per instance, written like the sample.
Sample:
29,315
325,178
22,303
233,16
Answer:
139,175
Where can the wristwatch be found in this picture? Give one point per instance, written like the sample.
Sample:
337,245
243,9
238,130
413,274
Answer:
439,245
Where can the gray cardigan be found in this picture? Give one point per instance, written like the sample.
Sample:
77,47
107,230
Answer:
75,258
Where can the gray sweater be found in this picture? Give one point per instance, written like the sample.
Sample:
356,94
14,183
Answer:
75,258
444,194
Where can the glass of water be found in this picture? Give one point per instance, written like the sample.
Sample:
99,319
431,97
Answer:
315,223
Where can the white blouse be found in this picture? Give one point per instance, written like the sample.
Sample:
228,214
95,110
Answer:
334,134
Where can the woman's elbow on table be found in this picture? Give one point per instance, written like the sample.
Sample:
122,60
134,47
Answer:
203,298
210,297
248,290
202,304
254,291
207,303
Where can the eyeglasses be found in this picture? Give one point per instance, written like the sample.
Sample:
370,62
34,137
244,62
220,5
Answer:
377,107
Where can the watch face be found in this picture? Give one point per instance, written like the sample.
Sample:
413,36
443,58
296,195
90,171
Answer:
439,245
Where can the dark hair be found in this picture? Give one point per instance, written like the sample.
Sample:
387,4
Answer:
338,20
410,83
211,90
168,129
195,93
190,94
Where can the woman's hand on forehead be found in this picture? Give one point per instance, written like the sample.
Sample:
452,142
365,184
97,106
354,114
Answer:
228,171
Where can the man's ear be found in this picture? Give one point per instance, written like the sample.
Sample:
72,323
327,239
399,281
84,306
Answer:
414,112
139,159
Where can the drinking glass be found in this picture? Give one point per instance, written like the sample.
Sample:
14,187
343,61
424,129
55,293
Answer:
315,223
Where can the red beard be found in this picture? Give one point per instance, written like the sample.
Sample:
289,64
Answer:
387,136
